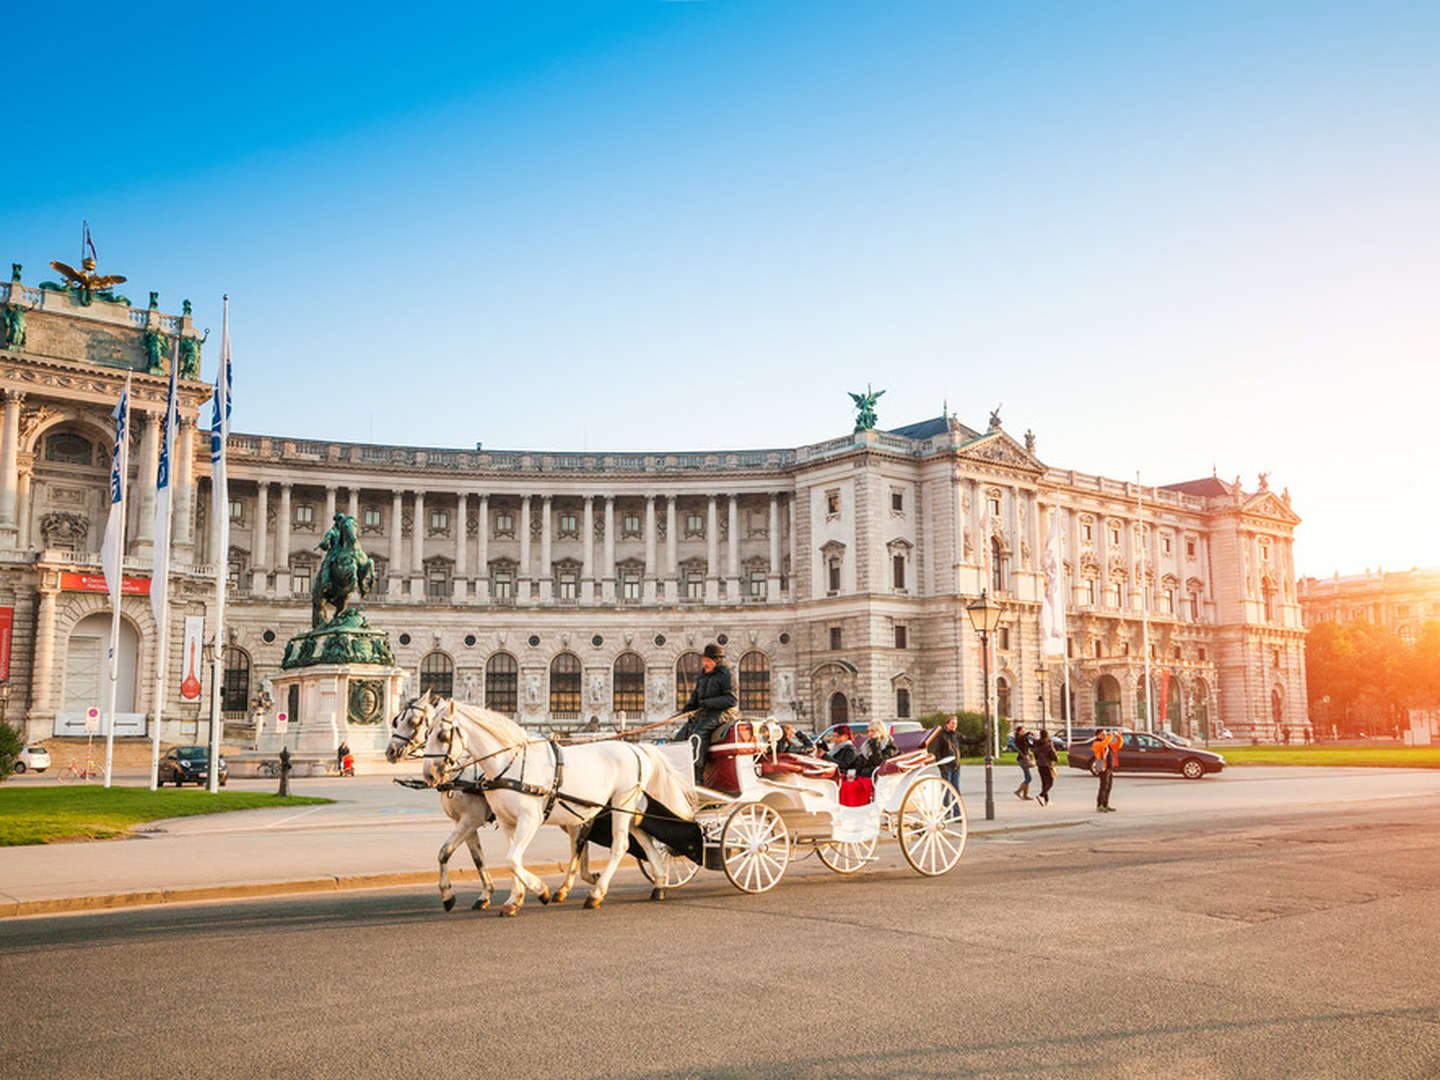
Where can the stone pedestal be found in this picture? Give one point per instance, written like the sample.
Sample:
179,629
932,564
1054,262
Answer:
338,702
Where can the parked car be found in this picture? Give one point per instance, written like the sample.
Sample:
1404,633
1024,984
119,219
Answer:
1143,752
189,765
897,727
35,758
1174,739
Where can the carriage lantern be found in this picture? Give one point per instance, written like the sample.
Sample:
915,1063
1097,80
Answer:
985,617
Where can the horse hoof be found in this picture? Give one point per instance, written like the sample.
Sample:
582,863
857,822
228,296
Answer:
561,895
449,902
592,902
544,897
509,911
657,894
480,905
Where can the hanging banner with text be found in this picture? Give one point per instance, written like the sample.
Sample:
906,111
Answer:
193,658
129,586
7,627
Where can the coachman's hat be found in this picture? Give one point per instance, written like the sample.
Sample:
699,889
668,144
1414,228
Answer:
714,652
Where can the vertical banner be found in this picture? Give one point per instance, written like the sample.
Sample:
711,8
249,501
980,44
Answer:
1052,610
1160,717
7,627
192,660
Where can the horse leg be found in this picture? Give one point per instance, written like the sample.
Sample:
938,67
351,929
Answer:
653,857
461,832
527,823
578,843
487,887
617,847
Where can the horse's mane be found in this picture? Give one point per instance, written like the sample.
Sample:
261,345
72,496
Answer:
497,724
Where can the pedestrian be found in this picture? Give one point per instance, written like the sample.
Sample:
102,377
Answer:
946,746
1309,734
1106,759
1045,761
712,703
1025,758
340,752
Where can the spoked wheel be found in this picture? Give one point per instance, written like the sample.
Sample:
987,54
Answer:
756,847
932,828
846,857
672,870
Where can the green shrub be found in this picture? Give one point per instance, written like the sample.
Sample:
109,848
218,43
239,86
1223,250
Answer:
10,747
971,725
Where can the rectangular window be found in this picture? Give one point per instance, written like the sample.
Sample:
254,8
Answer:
502,585
630,525
1169,602
1087,593
1112,596
1087,531
1275,658
1154,652
630,585
1114,534
993,505
1004,643
1194,607
504,523
1190,549
902,702
897,501
437,584
759,587
1069,648
835,638
237,510
694,585
1165,544
1175,653
694,524
567,586
370,517
832,504
834,575
1099,650
899,565
304,514
902,637
569,525
439,521
1202,655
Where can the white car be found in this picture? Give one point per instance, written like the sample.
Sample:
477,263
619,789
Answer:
33,757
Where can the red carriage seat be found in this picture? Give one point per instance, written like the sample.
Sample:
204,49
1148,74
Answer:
798,765
903,763
730,742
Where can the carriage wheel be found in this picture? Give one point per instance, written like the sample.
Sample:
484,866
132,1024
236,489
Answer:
846,857
756,847
932,831
672,871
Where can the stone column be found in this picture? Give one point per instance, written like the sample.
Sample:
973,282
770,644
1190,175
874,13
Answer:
43,672
10,462
587,552
184,493
712,551
672,551
732,555
282,542
260,557
772,583
650,545
22,508
352,506
482,549
607,568
547,570
417,549
145,481
460,587
522,584
329,517
794,553
397,525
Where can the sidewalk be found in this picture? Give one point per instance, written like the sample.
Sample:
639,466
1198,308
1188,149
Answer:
376,835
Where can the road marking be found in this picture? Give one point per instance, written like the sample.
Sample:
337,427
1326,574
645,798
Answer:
292,817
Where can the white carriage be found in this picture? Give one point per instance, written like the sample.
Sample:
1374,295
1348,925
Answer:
761,807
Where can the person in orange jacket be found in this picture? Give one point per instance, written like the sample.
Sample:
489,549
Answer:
1106,751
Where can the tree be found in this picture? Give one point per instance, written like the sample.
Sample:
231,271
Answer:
10,747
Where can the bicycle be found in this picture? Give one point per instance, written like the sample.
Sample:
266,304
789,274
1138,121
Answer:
269,770
76,771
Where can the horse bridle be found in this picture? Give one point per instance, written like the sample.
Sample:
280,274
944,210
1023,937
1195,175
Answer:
412,744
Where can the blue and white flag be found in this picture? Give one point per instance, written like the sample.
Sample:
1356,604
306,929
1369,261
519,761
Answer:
112,550
219,436
1052,610
159,585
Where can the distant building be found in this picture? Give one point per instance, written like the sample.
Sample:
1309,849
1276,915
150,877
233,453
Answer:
558,586
1400,599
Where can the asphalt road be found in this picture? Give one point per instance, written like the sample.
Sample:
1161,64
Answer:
1297,944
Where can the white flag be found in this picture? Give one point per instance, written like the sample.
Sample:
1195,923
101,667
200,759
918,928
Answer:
1052,614
111,549
160,583
219,436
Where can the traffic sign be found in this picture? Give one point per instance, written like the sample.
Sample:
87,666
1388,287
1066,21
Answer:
92,719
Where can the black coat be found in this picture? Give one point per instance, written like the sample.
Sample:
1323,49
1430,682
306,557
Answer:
1025,748
713,694
1045,755
844,754
876,753
946,743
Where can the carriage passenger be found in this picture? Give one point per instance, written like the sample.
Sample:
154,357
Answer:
841,749
712,702
793,741
879,747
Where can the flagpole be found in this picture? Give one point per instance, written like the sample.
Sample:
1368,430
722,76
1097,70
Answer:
1065,660
160,576
220,496
117,513
1144,603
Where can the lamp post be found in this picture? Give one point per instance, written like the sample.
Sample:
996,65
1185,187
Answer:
985,617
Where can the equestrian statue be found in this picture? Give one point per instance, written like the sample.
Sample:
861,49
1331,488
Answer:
345,569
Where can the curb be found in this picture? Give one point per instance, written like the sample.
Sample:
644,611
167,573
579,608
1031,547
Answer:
342,883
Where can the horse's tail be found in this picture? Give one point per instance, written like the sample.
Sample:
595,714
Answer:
667,785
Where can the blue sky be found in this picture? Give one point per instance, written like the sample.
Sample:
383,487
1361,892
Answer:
1168,240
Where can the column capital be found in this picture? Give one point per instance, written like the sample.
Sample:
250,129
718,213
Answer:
15,397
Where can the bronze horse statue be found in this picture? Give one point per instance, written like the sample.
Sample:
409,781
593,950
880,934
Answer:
345,569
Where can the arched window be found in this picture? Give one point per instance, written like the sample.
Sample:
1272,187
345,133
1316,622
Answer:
998,577
839,709
67,448
1002,697
902,703
754,683
437,673
687,670
629,692
502,684
1107,701
565,686
235,682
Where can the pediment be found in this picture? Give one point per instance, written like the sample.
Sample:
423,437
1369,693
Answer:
998,448
1268,504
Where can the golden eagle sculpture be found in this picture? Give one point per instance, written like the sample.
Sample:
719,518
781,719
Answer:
86,279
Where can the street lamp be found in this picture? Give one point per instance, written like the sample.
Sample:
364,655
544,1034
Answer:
985,617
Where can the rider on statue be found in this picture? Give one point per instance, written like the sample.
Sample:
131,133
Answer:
345,569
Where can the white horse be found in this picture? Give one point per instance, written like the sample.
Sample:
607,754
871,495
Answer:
597,776
469,811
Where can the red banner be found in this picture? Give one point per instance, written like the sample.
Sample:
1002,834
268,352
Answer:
7,626
129,586
1164,696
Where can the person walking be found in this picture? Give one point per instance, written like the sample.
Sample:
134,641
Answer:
1106,751
1045,761
712,703
1025,758
945,742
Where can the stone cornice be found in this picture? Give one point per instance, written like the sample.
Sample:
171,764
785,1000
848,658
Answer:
69,381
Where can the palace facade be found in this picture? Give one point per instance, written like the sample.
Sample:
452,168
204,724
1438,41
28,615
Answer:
561,586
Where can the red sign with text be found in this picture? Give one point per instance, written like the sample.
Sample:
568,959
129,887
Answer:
7,626
130,586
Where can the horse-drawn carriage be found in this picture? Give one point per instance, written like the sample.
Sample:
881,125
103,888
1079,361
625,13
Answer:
759,806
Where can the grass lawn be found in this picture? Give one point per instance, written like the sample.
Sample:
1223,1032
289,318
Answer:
1394,757
41,815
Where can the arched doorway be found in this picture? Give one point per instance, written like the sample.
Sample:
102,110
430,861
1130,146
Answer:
1200,710
87,676
1174,711
1002,698
839,708
1107,701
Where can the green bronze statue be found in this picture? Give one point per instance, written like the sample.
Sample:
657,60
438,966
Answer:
14,326
157,344
345,569
865,408
190,356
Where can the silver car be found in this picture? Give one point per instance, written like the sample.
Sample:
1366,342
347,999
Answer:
35,758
